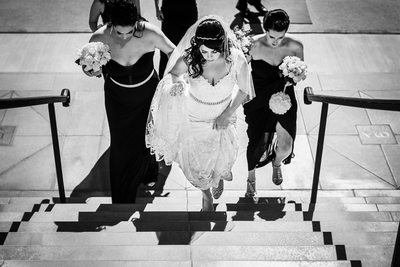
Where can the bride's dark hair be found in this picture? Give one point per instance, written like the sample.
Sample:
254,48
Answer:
211,34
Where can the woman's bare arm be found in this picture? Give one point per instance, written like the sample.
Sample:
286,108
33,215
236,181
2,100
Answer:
95,10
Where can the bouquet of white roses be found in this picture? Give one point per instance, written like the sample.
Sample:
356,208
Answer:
93,56
294,70
245,41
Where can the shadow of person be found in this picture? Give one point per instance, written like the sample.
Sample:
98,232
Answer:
251,19
265,208
272,209
96,183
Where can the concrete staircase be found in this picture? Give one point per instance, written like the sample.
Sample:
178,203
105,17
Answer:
346,228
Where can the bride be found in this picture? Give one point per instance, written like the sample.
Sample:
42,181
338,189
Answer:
192,115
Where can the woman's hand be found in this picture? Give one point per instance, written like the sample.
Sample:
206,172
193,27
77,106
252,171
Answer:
222,121
91,73
177,88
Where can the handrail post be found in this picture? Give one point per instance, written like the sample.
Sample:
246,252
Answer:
318,156
56,149
396,251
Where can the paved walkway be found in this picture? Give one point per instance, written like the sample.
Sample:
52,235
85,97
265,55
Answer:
356,65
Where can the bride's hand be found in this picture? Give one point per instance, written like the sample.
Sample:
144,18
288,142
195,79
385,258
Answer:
177,88
222,121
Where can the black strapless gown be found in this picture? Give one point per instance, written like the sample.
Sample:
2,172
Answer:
179,15
127,110
260,118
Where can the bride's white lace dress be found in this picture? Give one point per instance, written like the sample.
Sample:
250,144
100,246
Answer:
180,126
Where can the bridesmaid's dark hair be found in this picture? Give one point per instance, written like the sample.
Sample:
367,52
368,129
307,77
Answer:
124,13
211,34
276,20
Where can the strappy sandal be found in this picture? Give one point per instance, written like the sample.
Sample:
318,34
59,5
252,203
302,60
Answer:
204,205
217,191
251,189
277,177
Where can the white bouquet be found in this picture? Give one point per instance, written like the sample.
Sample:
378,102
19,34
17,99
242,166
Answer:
93,56
294,70
244,39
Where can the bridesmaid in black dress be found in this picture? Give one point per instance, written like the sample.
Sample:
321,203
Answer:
176,16
130,83
267,54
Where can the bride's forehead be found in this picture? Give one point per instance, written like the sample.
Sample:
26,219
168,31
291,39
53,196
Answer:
205,48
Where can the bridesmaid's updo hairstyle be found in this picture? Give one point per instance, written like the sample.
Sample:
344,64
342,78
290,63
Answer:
123,13
276,20
211,34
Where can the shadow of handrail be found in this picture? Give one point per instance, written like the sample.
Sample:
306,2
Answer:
65,99
379,104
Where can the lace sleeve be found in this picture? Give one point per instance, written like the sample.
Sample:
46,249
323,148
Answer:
167,119
243,74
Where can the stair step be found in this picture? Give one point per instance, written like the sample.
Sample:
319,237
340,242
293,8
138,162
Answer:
98,239
197,199
194,216
382,200
376,193
388,207
127,227
370,255
232,226
103,263
362,226
228,192
153,253
303,253
169,253
199,238
175,198
263,253
197,206
395,215
273,263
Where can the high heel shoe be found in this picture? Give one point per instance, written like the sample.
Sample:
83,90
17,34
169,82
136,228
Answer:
217,191
261,8
277,177
251,189
207,204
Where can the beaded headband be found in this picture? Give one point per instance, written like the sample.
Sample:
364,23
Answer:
210,38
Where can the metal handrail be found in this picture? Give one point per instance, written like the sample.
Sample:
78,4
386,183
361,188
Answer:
380,104
65,99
